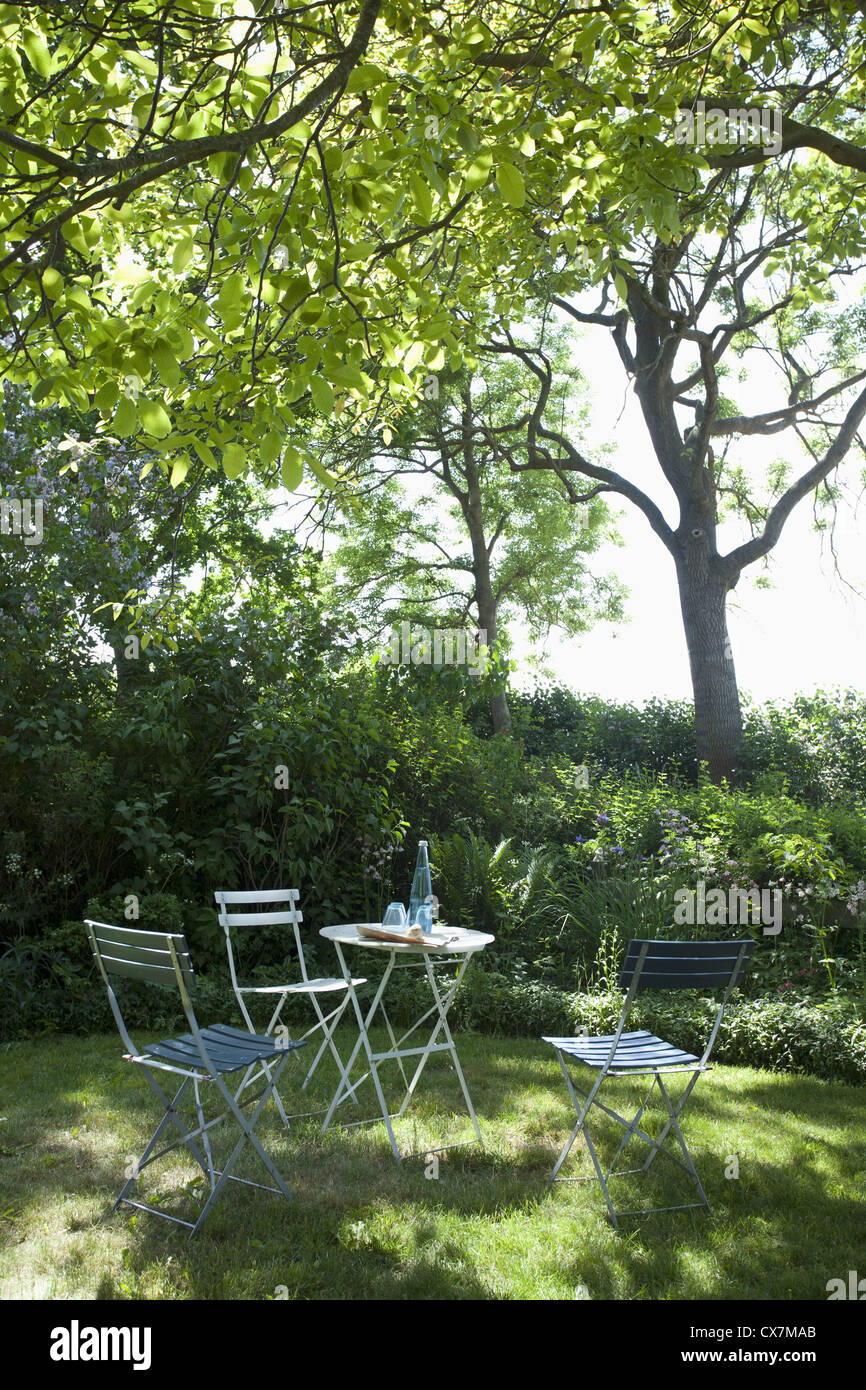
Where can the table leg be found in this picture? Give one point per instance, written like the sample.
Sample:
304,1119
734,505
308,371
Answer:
442,1007
343,1087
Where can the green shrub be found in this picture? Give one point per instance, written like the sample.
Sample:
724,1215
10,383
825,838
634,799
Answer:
795,1034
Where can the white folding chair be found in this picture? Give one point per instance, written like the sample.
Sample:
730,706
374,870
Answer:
649,965
202,1055
282,910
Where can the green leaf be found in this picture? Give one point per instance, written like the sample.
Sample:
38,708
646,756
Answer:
106,397
154,417
37,52
166,364
323,474
271,447
125,420
138,60
231,293
413,356
379,105
360,196
205,452
234,460
42,389
421,197
130,273
180,468
293,468
323,395
52,282
510,184
479,171
182,254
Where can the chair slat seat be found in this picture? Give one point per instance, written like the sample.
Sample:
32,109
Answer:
228,1048
325,985
634,1050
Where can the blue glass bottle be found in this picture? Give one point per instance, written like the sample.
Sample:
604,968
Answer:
421,897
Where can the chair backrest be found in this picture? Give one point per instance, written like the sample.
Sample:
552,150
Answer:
281,909
684,964
157,958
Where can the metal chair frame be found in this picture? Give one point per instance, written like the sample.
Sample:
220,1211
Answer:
280,916
202,1055
649,965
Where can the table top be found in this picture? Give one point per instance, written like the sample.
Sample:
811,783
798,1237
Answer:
465,939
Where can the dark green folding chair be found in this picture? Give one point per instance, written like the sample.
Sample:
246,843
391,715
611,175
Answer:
203,1055
649,965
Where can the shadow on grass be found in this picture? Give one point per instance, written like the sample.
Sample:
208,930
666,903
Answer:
363,1226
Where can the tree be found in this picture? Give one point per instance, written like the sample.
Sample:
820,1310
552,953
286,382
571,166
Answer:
120,561
218,216
748,268
477,542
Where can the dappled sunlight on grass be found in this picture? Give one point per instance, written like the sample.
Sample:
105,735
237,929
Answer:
480,1223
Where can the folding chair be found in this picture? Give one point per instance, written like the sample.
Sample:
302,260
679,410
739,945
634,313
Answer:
202,1055
649,965
290,914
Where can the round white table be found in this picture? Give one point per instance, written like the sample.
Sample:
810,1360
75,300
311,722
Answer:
444,943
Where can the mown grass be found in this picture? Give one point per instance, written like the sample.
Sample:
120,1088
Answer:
489,1227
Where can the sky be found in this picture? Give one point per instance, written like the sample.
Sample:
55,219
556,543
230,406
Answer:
806,632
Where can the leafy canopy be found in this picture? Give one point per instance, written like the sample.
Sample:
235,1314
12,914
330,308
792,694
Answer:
216,218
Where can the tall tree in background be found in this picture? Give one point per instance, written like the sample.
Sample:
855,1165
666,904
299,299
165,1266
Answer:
119,556
759,270
468,539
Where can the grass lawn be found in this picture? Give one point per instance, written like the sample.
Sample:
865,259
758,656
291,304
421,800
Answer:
363,1227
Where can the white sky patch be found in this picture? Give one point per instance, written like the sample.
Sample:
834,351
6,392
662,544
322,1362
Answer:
808,631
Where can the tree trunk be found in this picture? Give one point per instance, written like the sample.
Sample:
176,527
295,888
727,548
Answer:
485,599
718,719
125,667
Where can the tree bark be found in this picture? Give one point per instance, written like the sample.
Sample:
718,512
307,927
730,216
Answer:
125,668
485,599
703,589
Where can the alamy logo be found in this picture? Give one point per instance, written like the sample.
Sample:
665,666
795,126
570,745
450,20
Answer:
77,1343
754,125
736,907
446,647
22,518
855,1288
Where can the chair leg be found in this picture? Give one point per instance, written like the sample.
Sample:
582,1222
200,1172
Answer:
327,1023
204,1133
248,1136
170,1117
633,1130
581,1114
682,1100
672,1124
